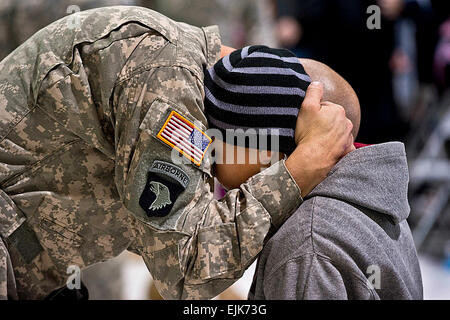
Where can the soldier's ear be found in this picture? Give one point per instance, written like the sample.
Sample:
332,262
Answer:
224,51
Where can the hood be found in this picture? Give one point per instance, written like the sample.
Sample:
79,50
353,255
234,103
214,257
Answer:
375,177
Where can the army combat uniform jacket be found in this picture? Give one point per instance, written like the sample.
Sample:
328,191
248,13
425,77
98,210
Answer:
87,165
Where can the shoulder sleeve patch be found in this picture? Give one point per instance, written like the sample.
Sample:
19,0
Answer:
165,182
182,135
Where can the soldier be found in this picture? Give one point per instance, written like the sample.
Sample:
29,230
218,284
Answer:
86,172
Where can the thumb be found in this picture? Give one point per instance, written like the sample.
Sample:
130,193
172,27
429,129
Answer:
313,96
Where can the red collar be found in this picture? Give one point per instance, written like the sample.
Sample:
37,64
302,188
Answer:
360,145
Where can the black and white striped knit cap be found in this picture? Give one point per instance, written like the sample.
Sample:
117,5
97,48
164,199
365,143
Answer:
257,88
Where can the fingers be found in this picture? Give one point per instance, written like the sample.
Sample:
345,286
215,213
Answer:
313,96
342,128
337,107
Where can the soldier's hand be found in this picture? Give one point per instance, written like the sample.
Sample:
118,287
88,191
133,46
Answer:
323,136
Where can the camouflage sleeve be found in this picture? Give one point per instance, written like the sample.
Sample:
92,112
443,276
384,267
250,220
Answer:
8,288
194,246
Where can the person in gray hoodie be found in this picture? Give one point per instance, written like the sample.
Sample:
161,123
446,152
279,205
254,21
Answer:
350,238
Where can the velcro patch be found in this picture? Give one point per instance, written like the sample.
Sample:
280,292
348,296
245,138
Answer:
165,182
185,137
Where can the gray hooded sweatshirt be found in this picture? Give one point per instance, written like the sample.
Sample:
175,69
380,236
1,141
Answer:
349,239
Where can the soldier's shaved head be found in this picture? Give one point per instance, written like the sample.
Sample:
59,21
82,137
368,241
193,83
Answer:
335,89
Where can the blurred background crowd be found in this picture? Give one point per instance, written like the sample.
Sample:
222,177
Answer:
396,55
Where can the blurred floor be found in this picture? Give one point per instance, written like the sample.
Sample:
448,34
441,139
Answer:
436,278
126,277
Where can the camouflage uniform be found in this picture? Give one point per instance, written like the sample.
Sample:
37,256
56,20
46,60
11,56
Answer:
79,112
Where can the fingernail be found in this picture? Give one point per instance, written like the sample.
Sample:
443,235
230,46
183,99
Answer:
315,84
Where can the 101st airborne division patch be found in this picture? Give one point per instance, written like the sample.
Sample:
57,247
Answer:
165,182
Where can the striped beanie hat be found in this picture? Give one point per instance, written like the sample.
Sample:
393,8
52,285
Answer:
257,88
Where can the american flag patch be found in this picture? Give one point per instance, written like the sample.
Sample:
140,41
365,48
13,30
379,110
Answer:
182,135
